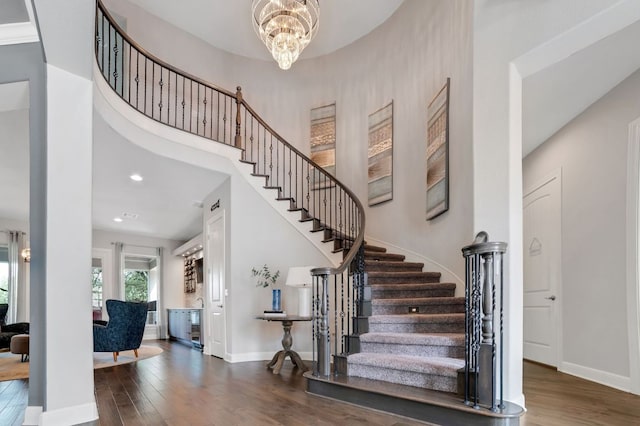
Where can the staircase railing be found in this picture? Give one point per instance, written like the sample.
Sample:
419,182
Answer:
185,102
484,276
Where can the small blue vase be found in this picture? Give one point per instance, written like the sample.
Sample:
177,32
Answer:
276,304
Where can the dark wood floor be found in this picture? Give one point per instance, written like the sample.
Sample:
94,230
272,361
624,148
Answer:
183,387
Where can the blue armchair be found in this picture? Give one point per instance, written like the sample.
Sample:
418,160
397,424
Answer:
124,330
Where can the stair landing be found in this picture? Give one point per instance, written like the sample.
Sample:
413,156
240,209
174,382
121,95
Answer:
440,408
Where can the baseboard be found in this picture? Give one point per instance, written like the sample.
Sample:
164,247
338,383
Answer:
603,377
74,415
260,356
32,415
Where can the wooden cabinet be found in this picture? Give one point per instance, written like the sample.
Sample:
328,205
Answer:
184,326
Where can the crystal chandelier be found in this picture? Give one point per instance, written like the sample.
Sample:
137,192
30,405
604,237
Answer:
286,27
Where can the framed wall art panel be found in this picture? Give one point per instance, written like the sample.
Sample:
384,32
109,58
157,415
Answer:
380,155
438,154
323,139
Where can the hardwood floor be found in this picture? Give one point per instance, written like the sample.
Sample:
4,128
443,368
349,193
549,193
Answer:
183,387
559,399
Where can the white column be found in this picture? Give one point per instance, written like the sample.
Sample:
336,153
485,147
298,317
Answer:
68,349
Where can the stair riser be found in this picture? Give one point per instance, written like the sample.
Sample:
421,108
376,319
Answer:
391,279
416,328
393,267
415,350
404,294
384,256
423,309
421,380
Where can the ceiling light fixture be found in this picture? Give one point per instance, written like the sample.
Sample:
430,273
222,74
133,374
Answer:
286,27
136,177
117,219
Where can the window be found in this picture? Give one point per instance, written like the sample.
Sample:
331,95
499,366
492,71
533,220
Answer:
136,285
141,275
4,275
97,288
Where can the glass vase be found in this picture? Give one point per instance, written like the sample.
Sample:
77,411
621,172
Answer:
276,301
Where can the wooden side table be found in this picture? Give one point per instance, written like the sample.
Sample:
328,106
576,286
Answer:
287,341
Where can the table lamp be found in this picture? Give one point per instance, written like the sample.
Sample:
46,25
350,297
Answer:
300,276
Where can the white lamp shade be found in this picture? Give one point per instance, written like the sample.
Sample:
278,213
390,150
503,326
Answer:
299,276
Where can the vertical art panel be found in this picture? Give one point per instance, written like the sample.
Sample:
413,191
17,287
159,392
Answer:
380,153
323,139
438,154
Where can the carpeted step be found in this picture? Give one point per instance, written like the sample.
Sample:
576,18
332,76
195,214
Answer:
430,373
378,255
428,305
450,345
391,266
403,277
417,323
399,291
368,247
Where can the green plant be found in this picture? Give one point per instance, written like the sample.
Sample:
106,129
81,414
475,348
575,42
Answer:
264,277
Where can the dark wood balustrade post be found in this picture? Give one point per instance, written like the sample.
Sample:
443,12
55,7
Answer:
238,140
323,343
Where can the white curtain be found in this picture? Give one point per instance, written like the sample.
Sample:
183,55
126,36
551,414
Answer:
118,269
16,244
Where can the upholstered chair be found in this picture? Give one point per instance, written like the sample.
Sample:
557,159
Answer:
124,330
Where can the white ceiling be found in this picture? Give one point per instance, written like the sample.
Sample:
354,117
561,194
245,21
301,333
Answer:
168,200
227,24
557,94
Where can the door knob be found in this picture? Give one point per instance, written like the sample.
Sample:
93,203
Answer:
220,306
552,297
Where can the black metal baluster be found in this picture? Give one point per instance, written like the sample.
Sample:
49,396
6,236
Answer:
160,104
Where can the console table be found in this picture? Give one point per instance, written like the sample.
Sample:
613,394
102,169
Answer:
287,341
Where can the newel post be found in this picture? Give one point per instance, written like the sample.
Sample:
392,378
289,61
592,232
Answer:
238,140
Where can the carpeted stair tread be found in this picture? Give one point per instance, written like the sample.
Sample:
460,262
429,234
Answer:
441,339
377,255
413,286
421,301
391,266
368,247
439,366
417,318
423,305
403,277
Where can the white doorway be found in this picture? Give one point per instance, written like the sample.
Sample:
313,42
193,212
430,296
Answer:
215,291
542,305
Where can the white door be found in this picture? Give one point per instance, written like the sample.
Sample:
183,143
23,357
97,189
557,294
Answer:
215,261
542,270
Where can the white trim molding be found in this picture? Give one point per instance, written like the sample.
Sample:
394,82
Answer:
633,254
603,377
70,415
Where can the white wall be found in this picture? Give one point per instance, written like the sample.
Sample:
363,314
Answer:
172,295
592,152
256,234
504,32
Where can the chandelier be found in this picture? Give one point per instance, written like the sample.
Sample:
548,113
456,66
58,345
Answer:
286,27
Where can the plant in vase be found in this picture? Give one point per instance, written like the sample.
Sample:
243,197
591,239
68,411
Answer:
265,278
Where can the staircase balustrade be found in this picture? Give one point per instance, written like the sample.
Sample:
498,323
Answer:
185,102
484,276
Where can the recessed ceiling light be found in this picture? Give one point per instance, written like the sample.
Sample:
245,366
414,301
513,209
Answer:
117,219
136,177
